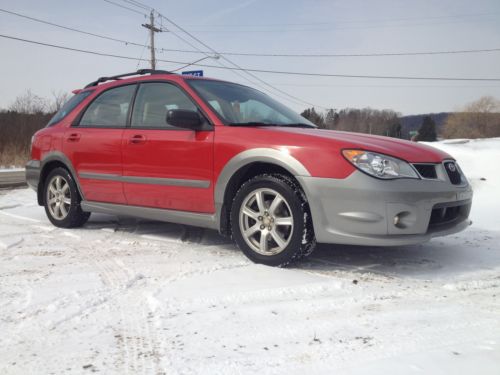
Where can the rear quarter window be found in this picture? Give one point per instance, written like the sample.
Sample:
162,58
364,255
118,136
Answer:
68,107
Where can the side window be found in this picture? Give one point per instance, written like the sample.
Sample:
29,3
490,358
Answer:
152,102
110,108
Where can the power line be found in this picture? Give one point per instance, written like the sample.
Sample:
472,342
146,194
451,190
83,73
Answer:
330,26
71,28
71,48
142,52
125,7
239,74
138,4
342,21
314,55
192,63
237,67
323,29
261,70
197,50
335,85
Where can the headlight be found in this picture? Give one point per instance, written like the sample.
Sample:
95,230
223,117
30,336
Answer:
379,165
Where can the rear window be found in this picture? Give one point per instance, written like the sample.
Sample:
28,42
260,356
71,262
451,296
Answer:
68,107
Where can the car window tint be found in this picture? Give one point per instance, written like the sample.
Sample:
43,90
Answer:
252,110
237,104
152,102
110,108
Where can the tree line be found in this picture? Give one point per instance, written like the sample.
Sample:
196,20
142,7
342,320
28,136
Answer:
480,119
25,116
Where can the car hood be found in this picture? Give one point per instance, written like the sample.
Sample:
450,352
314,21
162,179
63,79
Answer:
412,152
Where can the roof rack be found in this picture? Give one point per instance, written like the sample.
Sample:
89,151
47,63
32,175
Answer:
120,76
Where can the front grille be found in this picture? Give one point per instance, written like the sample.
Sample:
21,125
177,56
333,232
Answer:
447,214
453,172
426,170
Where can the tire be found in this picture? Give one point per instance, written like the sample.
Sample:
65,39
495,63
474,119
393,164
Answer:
271,222
62,200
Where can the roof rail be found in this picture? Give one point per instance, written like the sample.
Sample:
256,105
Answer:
120,76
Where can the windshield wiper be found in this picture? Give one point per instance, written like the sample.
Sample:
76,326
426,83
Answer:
301,125
250,123
256,123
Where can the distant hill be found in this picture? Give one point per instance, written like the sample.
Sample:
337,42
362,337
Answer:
413,122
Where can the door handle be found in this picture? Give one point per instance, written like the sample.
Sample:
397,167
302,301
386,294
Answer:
138,138
73,137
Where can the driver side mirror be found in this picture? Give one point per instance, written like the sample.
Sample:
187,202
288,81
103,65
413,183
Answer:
186,119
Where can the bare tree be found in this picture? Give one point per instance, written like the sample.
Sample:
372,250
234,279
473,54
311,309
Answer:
479,119
59,98
29,103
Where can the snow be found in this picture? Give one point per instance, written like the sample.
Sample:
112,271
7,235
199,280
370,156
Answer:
479,159
10,169
127,296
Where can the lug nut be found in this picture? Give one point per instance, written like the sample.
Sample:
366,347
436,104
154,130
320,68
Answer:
270,227
262,227
266,213
260,218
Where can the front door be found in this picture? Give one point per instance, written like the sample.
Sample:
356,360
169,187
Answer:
94,145
165,166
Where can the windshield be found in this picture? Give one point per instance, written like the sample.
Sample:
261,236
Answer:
241,105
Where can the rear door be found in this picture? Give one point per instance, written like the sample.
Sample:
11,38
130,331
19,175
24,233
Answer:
165,166
94,145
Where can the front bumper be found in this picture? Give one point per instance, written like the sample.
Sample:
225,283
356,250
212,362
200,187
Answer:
33,168
361,210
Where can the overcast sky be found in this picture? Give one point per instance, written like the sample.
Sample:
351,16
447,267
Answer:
267,26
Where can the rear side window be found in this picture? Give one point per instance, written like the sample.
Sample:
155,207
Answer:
109,109
70,105
152,102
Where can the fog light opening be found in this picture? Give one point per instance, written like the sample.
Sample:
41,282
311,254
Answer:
396,220
403,220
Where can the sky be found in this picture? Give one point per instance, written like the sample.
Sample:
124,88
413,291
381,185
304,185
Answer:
272,27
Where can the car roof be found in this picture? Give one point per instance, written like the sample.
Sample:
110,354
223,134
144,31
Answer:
141,75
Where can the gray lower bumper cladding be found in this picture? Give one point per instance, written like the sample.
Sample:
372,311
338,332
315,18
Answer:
33,173
361,210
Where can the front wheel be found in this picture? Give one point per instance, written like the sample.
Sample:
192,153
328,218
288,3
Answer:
62,200
270,220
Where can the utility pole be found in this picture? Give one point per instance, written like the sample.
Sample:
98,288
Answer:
152,30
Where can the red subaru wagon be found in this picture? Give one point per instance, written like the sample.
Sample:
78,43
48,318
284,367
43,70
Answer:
220,155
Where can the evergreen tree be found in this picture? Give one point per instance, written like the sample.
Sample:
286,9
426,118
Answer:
427,131
331,119
315,117
394,130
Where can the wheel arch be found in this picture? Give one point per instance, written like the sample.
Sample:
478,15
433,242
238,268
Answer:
49,162
246,165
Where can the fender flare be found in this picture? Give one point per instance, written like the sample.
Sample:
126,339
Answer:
62,158
281,158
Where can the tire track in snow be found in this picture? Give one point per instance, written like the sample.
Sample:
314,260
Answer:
138,341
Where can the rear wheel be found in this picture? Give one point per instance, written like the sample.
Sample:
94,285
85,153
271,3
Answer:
270,220
62,200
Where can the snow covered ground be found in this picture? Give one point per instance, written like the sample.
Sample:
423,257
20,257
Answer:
126,296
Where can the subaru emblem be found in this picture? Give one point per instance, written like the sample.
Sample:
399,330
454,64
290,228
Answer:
452,167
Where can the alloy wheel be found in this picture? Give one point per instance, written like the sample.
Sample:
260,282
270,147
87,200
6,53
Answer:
266,221
59,197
